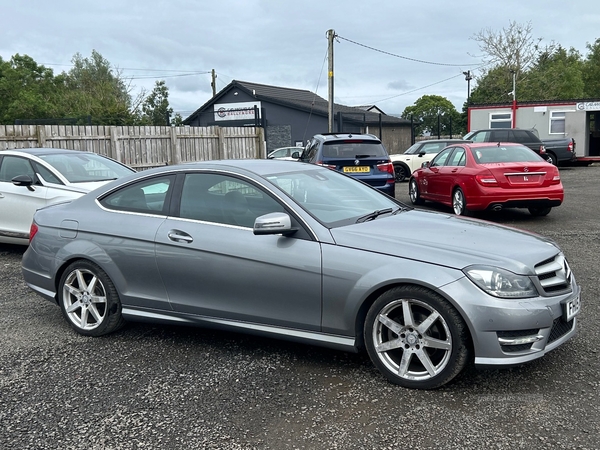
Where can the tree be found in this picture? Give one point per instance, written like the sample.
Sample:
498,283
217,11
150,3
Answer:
94,89
555,75
28,90
591,71
513,47
431,110
155,108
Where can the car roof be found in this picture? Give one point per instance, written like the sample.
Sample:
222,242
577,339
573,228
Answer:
495,144
443,140
346,136
44,151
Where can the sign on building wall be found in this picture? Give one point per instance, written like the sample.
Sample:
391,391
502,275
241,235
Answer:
588,106
235,111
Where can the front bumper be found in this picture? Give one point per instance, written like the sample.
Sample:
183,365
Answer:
507,332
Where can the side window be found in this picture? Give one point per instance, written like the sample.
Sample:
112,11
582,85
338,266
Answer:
441,158
148,196
12,166
523,136
479,137
499,136
433,147
311,150
46,174
224,199
457,158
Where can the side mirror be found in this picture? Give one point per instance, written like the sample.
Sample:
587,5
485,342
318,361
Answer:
425,165
296,155
274,223
421,153
23,180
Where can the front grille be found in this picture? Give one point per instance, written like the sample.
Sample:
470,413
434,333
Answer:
559,329
554,275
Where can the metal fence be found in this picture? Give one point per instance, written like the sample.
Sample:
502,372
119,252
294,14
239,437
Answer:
142,147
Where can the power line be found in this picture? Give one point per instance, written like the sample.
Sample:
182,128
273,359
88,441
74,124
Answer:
404,57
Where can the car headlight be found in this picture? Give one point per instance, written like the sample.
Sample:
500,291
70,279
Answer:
501,283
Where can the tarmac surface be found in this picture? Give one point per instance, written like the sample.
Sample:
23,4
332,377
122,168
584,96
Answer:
161,387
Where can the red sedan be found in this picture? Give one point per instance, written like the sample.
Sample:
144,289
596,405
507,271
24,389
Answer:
481,176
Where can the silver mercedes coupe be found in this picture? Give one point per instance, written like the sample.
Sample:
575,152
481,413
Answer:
300,252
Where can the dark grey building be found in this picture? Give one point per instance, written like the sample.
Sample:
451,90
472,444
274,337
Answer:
292,116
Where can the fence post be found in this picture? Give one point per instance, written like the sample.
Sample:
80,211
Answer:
41,132
175,156
115,151
221,142
260,141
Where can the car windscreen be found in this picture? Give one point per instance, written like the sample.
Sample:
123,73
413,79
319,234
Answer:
353,149
86,167
330,197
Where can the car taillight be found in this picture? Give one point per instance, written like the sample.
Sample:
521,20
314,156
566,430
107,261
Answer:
33,229
542,150
386,167
571,146
487,180
329,166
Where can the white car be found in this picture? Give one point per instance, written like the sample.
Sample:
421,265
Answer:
413,158
35,177
284,153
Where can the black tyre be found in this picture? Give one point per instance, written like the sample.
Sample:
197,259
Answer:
551,158
539,212
401,172
415,338
459,203
413,192
89,300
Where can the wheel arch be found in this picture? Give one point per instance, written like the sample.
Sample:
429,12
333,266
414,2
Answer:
376,293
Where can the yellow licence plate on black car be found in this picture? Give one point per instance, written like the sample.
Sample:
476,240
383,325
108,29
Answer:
356,169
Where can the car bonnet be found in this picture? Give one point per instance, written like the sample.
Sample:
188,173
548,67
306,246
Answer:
448,240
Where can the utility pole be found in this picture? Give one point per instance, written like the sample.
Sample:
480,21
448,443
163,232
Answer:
514,96
330,37
213,83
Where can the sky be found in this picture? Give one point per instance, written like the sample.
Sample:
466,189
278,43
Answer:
387,53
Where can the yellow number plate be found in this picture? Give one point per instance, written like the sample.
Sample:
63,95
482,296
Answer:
357,169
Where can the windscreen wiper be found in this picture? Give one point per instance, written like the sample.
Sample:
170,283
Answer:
374,215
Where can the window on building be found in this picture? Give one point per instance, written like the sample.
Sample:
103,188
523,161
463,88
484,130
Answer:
501,120
557,122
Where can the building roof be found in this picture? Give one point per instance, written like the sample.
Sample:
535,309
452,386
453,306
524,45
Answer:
298,99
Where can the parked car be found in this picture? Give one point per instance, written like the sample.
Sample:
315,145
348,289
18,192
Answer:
362,156
284,153
559,150
480,176
417,154
300,252
524,137
35,177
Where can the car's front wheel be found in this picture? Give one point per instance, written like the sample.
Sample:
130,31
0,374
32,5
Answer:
416,338
413,192
89,300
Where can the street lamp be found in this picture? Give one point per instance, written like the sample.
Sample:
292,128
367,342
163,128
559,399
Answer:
468,78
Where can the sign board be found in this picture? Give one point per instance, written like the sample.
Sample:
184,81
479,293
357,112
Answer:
235,111
588,106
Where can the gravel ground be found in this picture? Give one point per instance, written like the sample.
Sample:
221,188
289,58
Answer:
150,387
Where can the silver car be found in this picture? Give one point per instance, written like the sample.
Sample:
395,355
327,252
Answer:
301,252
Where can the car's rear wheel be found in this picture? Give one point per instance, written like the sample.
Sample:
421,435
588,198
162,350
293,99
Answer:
401,172
551,158
416,338
459,203
539,212
89,300
413,192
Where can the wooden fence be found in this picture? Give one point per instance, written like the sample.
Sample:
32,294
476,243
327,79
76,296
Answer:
142,147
